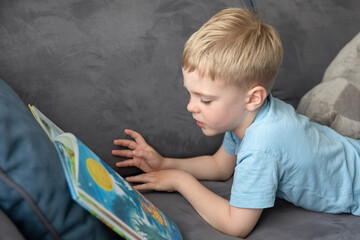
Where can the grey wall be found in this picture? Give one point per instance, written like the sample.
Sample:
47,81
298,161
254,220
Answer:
97,67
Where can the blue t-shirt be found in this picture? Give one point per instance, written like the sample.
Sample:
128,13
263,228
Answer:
285,155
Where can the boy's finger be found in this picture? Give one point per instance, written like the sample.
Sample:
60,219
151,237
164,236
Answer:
144,178
145,186
122,153
126,163
125,143
135,135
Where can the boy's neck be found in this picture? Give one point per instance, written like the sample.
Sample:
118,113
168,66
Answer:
246,123
255,98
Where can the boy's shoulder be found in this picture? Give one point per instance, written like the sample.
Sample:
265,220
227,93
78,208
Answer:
276,113
275,124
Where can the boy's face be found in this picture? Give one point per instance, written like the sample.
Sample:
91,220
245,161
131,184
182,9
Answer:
217,108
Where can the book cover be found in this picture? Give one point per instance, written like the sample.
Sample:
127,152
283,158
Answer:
103,192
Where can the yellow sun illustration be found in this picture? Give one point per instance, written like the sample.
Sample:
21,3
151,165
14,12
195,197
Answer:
99,174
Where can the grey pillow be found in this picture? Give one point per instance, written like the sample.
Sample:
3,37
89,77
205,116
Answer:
335,102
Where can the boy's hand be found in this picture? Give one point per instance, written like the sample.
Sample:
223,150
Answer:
140,154
164,180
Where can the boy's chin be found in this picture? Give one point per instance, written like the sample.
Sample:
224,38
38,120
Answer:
210,132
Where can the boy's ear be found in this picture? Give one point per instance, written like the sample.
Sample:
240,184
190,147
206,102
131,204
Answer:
256,98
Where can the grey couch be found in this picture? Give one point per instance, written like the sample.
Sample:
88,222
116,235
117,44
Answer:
97,67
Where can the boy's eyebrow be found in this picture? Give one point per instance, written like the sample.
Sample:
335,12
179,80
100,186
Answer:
201,94
204,95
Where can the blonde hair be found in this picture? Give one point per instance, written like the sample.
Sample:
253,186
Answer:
237,47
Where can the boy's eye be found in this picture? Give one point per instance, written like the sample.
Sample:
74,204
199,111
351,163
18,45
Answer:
205,101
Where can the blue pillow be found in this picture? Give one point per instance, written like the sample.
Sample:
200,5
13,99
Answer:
33,189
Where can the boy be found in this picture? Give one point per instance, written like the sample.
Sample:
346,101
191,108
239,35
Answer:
229,66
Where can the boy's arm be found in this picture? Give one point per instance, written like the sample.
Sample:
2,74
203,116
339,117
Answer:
219,166
140,154
213,208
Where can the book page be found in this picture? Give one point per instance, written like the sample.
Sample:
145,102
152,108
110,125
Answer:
66,156
68,145
49,127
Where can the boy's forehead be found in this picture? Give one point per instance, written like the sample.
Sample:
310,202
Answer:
204,86
191,77
194,76
208,87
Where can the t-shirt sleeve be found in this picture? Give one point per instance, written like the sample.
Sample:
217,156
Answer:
255,181
229,143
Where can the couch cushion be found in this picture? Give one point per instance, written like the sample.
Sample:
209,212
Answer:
33,189
335,101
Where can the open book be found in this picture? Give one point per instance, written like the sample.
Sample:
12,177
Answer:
103,192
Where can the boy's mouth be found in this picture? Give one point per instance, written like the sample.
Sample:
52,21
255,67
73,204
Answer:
200,124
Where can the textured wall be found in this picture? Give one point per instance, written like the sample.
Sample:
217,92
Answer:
97,67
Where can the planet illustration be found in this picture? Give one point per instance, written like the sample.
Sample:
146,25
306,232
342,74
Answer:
98,173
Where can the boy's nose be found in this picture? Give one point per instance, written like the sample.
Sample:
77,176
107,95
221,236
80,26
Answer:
191,107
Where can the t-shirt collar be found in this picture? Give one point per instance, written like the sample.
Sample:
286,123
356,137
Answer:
264,109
